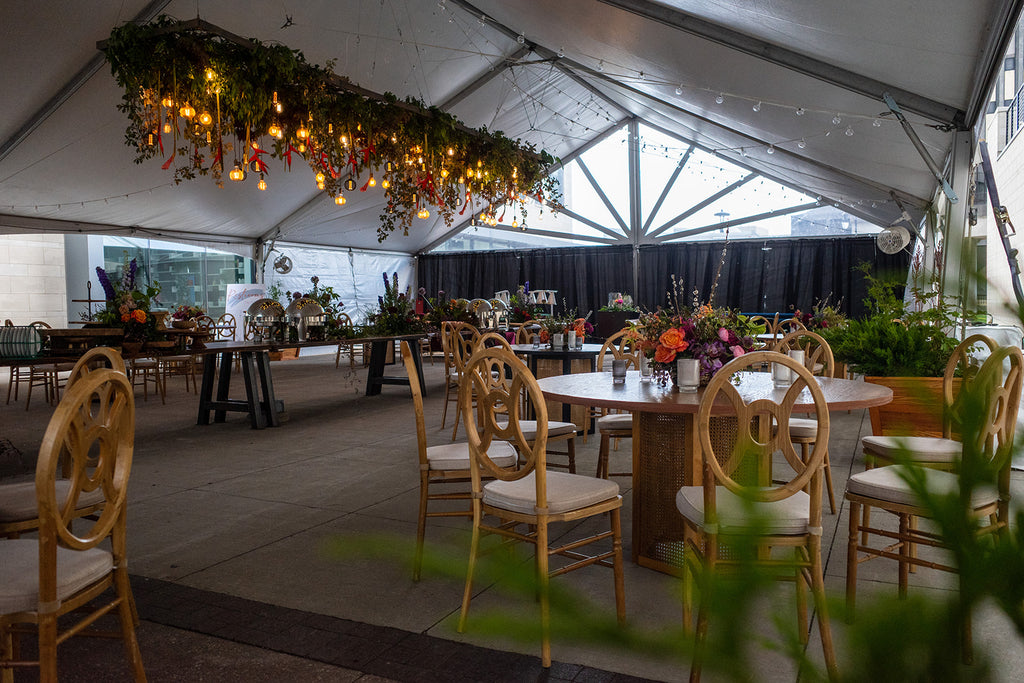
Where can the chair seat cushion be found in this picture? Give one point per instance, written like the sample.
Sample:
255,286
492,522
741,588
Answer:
916,448
455,456
888,484
529,428
18,501
615,421
786,517
19,573
803,428
565,492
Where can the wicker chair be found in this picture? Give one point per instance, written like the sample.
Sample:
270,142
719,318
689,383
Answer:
63,573
994,394
462,338
738,504
614,425
530,496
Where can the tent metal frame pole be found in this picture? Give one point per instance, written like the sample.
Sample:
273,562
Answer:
739,221
21,224
635,209
71,86
604,197
708,201
552,233
795,61
483,79
668,187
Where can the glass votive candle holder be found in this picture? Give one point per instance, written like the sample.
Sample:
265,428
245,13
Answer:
618,371
646,371
571,341
688,374
781,375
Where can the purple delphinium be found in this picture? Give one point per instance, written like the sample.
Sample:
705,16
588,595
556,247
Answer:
108,288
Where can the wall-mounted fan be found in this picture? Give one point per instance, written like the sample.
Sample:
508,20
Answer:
893,239
283,264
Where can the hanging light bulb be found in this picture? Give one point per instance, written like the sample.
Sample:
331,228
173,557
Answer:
462,180
372,182
451,151
389,166
423,213
836,120
719,98
849,131
340,200
679,89
350,184
321,186
187,111
800,111
167,127
302,148
802,143
302,133
771,149
277,105
205,118
469,173
150,139
320,178
444,172
274,131
237,173
515,222
757,107
520,39
167,102
561,52
385,184
262,184
210,75
343,139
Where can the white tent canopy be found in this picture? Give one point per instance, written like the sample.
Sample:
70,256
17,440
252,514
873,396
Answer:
791,89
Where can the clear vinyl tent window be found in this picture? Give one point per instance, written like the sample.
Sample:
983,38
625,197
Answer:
188,275
684,193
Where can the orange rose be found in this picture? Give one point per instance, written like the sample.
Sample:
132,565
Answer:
125,317
672,338
663,354
139,315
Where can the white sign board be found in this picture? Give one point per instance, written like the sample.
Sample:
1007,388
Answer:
239,298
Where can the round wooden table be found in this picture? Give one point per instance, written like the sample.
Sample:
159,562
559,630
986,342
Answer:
666,447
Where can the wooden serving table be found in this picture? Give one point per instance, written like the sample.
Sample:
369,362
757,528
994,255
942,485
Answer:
260,403
666,447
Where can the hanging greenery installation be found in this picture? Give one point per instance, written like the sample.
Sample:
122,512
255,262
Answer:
208,100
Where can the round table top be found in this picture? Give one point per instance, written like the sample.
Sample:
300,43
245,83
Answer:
545,351
597,389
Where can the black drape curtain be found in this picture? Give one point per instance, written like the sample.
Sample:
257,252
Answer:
756,276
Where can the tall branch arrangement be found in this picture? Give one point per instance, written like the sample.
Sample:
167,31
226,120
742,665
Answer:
208,100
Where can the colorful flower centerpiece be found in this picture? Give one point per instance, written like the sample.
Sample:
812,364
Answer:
182,317
519,306
564,324
396,314
443,309
620,303
128,306
822,316
713,336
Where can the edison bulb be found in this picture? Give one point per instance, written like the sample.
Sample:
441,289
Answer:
372,181
205,118
320,178
262,184
340,200
237,173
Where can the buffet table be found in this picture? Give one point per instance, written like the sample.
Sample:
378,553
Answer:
260,403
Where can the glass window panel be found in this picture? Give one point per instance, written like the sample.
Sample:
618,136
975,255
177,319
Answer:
823,221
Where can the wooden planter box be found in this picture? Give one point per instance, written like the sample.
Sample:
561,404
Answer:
607,323
915,410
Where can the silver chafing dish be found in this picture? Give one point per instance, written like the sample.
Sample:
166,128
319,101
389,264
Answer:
268,321
307,317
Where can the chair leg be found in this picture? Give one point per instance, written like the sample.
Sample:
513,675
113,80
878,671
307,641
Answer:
820,606
128,621
851,560
602,458
571,452
801,605
544,579
904,553
447,393
474,547
617,569
828,484
458,412
48,648
421,526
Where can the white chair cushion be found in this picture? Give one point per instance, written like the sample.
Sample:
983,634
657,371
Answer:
888,484
19,573
803,428
455,456
18,501
615,421
565,492
916,448
787,517
529,428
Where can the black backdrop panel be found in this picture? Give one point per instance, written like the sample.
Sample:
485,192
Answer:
756,277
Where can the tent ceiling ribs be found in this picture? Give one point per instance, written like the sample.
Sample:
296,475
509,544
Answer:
37,224
704,203
556,235
668,187
739,221
71,87
795,61
493,71
600,193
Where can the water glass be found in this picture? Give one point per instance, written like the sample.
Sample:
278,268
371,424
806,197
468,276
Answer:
781,375
646,371
688,374
618,372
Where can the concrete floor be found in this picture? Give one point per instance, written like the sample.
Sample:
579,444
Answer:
257,515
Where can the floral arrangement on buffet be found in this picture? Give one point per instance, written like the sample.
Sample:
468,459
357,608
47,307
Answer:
212,102
128,306
519,306
443,309
713,336
620,303
822,315
396,313
185,312
564,324
330,301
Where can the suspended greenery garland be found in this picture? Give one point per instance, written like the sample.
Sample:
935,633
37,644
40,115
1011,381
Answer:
208,100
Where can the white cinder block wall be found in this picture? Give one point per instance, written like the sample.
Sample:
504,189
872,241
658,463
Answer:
32,279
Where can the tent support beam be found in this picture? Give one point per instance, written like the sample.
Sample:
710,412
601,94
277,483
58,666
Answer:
704,203
483,79
20,224
72,86
739,221
834,75
668,187
603,197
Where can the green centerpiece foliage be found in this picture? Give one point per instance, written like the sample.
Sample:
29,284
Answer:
396,314
445,309
128,304
208,100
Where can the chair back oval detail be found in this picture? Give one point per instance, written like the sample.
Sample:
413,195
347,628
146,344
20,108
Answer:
90,360
622,346
818,356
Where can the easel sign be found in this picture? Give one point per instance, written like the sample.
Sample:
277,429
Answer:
239,298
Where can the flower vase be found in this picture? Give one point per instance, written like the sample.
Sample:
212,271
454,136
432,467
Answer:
557,340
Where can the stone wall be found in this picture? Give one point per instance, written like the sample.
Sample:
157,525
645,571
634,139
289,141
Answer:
32,285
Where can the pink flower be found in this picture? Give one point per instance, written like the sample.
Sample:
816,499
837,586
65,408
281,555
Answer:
737,351
723,334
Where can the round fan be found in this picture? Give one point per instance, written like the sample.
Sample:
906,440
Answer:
892,239
283,264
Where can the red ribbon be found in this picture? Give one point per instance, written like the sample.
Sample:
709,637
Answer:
160,139
219,159
167,164
255,159
367,151
288,155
